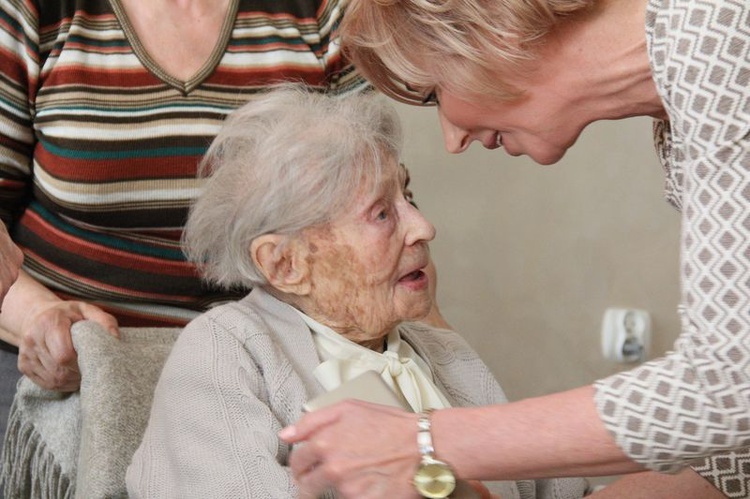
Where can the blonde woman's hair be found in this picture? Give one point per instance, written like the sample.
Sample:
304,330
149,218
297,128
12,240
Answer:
408,47
288,160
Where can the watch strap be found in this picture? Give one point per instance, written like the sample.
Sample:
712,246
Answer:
434,478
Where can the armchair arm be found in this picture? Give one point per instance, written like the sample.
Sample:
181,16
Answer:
80,444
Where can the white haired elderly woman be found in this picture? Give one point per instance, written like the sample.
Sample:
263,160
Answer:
305,204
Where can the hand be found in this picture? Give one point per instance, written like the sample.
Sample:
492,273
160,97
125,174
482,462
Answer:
46,353
482,490
362,450
11,259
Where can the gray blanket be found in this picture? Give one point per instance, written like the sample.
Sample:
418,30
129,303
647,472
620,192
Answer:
80,444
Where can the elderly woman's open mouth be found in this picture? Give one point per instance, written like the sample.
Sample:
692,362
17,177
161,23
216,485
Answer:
416,279
413,276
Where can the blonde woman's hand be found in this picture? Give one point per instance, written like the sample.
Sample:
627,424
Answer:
363,450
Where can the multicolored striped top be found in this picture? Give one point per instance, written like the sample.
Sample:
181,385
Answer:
99,147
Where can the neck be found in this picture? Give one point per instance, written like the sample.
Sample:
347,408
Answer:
603,56
356,333
194,8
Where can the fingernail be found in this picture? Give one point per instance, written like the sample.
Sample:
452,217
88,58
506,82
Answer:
287,433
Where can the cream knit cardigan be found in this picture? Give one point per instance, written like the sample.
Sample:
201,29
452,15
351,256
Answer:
240,373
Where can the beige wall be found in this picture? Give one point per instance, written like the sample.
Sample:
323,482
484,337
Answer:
529,257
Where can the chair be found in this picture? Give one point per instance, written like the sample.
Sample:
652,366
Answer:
63,446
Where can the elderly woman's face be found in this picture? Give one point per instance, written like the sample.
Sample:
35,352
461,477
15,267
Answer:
367,266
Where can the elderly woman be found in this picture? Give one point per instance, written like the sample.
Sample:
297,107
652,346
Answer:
528,77
306,204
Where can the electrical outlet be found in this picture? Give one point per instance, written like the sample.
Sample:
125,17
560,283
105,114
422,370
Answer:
626,334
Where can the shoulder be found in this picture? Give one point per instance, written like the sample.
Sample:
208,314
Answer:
456,366
236,318
224,328
259,328
695,44
438,342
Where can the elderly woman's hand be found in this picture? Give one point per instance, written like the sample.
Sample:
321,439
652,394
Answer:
11,259
46,353
363,450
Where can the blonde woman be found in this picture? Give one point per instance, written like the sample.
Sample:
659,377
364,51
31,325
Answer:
528,77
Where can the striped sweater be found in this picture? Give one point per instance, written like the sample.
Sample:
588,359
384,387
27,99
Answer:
99,146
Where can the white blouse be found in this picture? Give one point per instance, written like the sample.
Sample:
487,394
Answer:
399,366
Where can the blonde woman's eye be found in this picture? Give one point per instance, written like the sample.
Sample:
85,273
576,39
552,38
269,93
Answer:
431,99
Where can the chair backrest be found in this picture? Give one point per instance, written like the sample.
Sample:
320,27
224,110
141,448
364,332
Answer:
80,445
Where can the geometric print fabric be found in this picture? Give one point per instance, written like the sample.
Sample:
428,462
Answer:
728,472
696,400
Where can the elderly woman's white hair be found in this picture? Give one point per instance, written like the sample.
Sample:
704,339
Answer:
289,160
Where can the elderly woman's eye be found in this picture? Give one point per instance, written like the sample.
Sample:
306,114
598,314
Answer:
382,215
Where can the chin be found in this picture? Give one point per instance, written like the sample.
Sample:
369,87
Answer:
549,158
418,311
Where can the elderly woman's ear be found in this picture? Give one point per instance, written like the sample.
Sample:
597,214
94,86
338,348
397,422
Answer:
283,262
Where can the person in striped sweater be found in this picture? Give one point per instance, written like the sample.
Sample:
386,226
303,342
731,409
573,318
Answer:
106,108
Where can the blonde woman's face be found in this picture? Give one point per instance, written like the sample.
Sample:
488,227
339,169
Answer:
367,266
542,124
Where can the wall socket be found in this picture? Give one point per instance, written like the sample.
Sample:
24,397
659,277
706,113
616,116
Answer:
626,334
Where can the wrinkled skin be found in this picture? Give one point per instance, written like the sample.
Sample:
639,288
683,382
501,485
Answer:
367,267
11,259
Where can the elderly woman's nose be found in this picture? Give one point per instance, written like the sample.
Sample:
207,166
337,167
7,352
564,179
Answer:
456,139
420,229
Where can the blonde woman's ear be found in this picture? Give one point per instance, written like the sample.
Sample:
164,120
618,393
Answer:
282,262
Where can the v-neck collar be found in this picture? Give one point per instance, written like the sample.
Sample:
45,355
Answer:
204,72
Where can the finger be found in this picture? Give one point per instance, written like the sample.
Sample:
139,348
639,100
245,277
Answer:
53,346
310,423
57,381
313,484
480,488
61,361
30,366
57,343
61,379
96,314
303,461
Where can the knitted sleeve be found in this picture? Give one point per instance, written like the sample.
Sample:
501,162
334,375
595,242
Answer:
212,431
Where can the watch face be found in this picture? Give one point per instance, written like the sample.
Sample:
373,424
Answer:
434,480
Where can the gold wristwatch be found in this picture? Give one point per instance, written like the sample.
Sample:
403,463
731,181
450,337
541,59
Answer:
434,478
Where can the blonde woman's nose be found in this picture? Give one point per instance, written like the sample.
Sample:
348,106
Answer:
456,139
